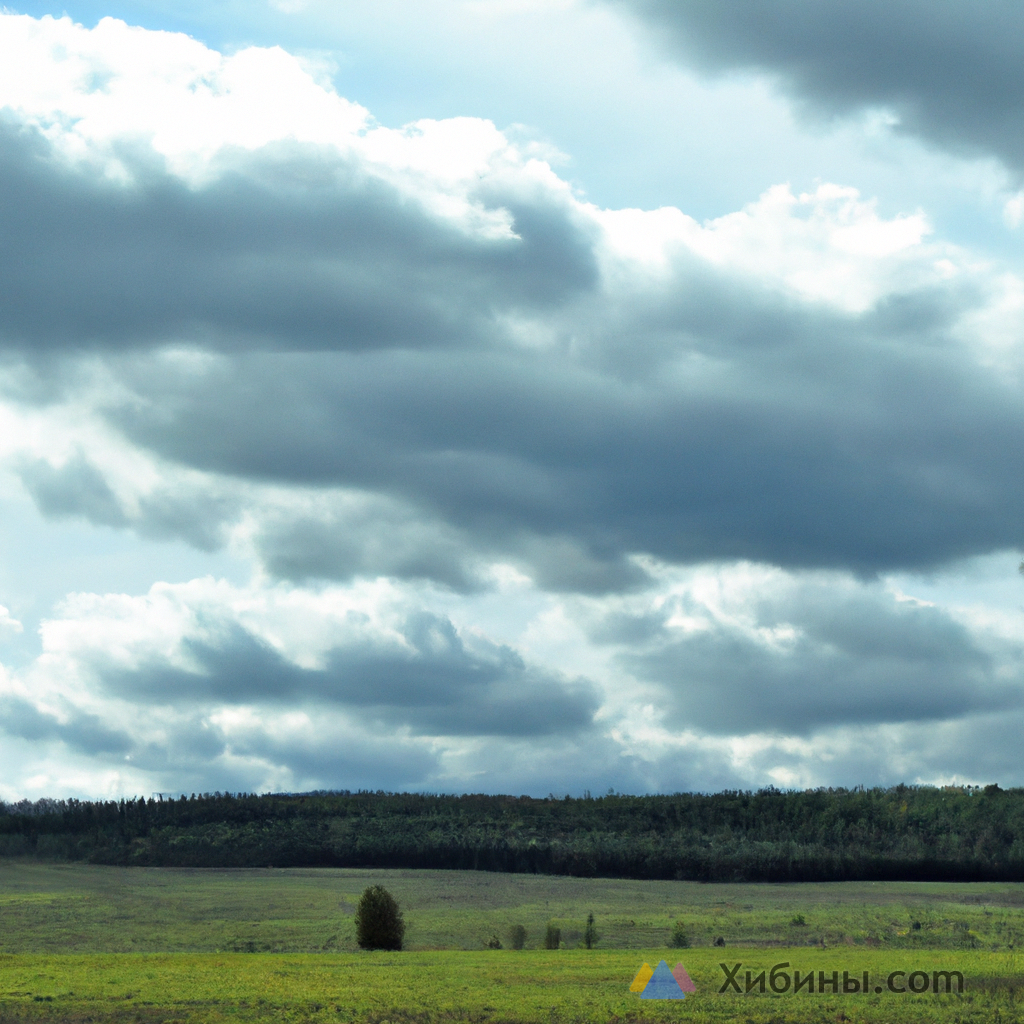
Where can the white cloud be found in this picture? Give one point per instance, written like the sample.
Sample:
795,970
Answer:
828,245
96,92
241,735
1013,210
90,89
8,624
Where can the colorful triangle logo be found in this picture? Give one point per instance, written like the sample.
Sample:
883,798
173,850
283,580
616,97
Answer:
662,983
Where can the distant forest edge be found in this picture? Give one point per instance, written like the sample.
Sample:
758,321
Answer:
902,833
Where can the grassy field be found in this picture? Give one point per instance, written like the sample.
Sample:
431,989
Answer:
80,908
439,987
81,943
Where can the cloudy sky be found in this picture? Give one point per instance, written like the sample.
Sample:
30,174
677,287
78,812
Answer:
510,395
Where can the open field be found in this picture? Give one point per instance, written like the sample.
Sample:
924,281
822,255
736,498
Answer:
80,908
442,986
82,943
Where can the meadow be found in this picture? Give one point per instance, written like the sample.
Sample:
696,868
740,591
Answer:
102,944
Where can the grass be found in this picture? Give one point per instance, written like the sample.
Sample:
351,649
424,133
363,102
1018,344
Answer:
81,943
82,908
442,986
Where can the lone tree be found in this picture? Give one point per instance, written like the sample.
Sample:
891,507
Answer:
379,923
590,935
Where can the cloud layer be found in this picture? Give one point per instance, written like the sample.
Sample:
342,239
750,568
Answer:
531,494
949,72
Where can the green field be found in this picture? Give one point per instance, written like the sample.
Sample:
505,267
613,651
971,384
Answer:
82,943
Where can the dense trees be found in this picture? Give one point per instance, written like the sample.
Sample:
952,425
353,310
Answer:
899,833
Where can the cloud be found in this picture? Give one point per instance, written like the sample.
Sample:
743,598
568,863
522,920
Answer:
292,247
8,624
821,656
535,495
206,685
711,677
738,650
245,750
208,645
425,328
75,489
792,436
82,732
714,676
949,72
429,682
343,534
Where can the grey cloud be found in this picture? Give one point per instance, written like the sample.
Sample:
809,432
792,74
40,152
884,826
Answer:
852,659
710,420
195,755
983,748
290,248
437,685
536,765
573,765
75,489
79,489
370,536
370,762
82,731
950,70
189,513
791,436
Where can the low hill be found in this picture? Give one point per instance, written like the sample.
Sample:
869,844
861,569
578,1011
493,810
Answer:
900,833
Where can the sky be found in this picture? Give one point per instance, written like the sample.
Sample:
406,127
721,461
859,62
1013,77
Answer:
520,396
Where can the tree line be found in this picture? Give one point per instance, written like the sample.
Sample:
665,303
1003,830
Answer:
898,833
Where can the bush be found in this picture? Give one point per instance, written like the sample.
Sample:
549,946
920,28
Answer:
798,921
552,937
590,935
719,941
379,923
494,942
517,936
680,939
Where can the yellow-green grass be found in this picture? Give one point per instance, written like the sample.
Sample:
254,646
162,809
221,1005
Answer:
80,908
80,943
436,987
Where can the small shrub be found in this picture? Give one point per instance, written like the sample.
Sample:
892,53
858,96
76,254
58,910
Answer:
916,926
552,937
680,939
798,921
379,923
517,936
494,942
590,935
719,941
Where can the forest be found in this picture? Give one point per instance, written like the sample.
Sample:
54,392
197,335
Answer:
902,833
